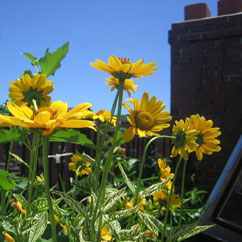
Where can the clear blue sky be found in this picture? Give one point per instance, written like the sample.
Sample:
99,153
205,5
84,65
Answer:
96,29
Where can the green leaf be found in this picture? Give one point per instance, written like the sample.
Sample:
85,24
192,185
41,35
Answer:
14,134
51,61
75,205
113,197
70,136
119,214
20,160
33,59
152,225
154,188
6,182
194,231
126,179
39,225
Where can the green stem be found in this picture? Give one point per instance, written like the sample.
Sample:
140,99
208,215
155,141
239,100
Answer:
45,147
9,156
3,199
169,198
143,161
101,195
182,190
33,164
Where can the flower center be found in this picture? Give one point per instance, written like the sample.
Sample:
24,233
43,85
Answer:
45,110
125,60
180,140
144,120
33,93
199,139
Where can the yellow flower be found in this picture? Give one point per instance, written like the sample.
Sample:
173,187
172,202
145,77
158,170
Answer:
147,117
105,234
130,204
163,195
185,141
47,118
105,116
123,67
165,173
206,138
39,180
8,237
16,204
80,164
128,84
26,89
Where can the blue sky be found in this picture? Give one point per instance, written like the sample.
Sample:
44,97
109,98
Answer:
96,29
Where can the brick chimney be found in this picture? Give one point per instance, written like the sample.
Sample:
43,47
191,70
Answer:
229,6
206,77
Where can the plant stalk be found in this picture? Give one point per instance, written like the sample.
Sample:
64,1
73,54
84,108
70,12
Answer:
45,147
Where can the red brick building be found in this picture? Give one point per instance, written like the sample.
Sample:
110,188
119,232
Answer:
206,77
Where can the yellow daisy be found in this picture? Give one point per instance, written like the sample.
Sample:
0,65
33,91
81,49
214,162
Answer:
123,67
128,84
147,118
206,138
165,172
130,203
26,89
185,141
105,234
163,195
80,164
55,116
105,116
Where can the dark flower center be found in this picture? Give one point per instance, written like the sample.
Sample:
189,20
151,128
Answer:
144,120
33,94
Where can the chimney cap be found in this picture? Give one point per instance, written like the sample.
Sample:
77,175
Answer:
196,11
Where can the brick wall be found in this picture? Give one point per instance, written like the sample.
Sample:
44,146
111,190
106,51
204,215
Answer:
206,78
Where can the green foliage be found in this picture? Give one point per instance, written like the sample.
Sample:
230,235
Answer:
7,180
70,136
51,60
14,134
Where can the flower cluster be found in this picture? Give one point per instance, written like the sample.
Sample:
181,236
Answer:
103,203
195,134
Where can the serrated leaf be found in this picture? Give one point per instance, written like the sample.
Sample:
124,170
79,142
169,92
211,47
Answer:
154,188
126,179
70,136
75,205
194,231
39,225
132,233
6,182
33,59
146,218
51,61
113,198
86,157
119,214
11,135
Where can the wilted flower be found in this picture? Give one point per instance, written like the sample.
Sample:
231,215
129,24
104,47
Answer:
16,204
